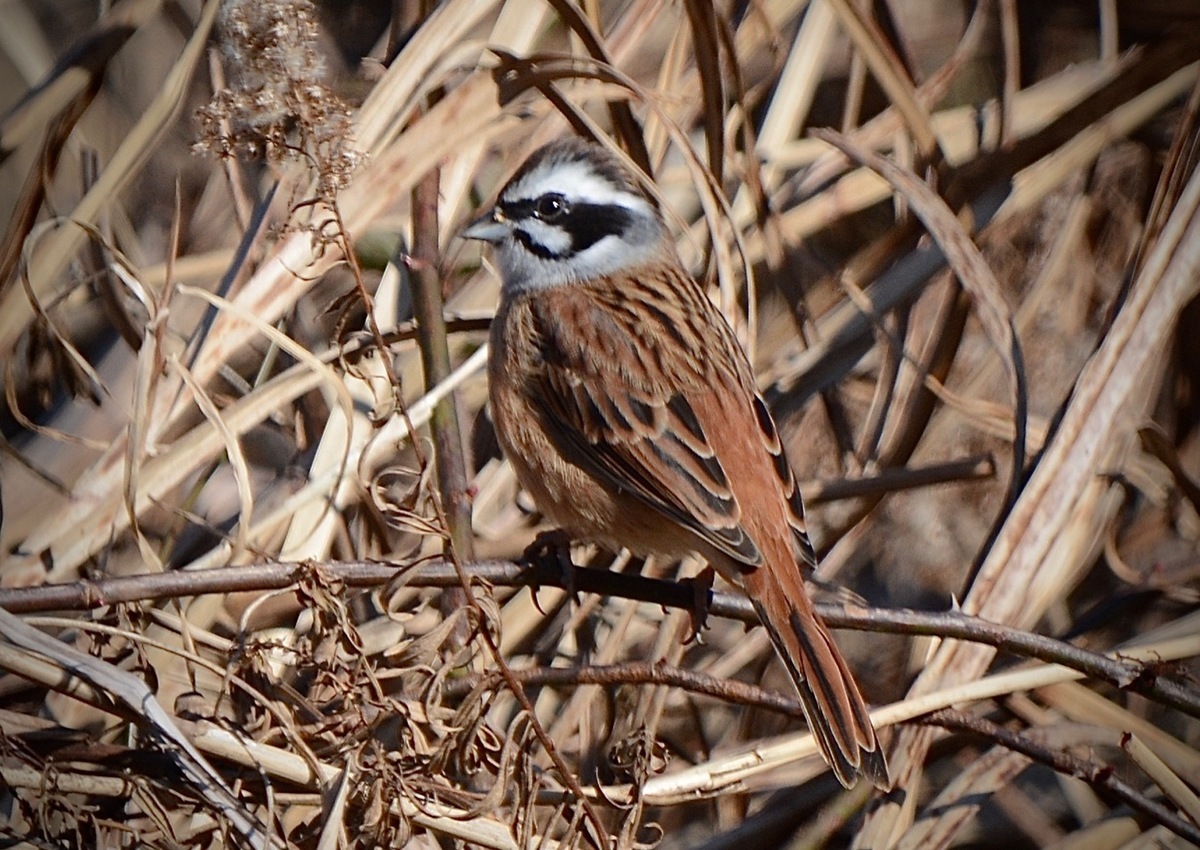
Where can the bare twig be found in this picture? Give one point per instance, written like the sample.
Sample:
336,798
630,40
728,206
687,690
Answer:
1102,778
82,595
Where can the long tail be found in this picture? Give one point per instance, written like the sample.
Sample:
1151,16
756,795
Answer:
832,704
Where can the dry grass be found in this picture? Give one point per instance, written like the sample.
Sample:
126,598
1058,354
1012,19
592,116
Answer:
972,308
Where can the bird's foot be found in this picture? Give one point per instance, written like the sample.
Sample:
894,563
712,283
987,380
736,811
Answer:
701,585
550,555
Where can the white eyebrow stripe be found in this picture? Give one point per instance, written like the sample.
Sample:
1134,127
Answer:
577,181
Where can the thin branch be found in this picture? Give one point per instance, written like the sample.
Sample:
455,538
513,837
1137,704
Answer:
973,468
1125,674
435,359
642,673
1101,777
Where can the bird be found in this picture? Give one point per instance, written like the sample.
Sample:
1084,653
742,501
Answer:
629,412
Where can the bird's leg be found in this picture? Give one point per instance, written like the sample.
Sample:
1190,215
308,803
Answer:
550,555
701,585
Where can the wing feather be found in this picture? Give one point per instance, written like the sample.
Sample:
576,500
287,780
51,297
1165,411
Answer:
628,416
803,547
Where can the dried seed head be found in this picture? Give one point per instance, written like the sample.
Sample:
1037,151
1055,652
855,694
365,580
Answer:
276,104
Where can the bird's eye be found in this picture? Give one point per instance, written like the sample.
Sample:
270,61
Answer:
551,207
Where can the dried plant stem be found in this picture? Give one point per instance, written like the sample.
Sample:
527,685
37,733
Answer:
1102,778
891,480
133,698
333,701
435,358
66,95
56,252
481,831
1123,673
454,511
1064,506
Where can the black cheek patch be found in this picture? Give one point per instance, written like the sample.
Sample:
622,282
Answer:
589,223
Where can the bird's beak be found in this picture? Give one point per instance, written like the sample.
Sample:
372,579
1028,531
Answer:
489,227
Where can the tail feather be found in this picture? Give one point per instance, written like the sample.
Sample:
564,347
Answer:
829,696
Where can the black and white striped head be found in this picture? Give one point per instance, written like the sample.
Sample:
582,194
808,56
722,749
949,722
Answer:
571,213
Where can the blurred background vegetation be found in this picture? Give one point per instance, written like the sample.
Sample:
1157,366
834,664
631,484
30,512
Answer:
243,374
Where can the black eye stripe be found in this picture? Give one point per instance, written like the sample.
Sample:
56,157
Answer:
550,207
517,210
585,223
